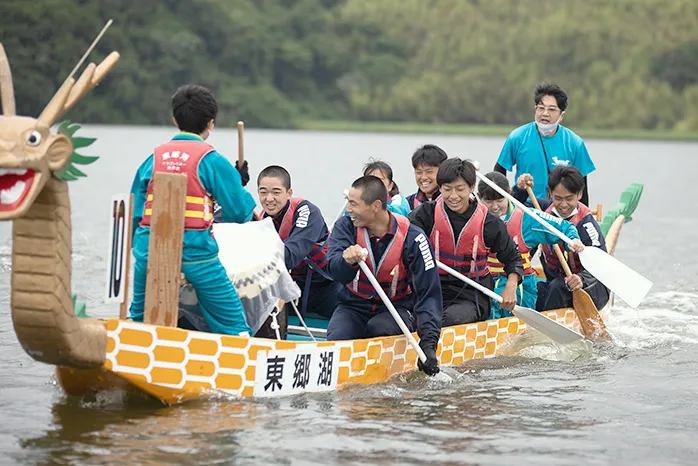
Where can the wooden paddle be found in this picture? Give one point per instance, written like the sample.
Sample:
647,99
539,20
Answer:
393,311
241,145
544,324
593,326
621,279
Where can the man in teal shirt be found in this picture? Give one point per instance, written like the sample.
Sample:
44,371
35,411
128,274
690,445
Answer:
540,146
210,177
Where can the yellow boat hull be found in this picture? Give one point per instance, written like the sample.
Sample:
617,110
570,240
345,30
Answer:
175,365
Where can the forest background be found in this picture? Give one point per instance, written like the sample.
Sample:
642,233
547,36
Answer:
452,65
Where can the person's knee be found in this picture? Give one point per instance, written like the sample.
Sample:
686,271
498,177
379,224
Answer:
384,324
558,295
341,326
324,302
461,313
337,331
598,293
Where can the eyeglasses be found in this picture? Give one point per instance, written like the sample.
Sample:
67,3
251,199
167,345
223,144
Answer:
542,108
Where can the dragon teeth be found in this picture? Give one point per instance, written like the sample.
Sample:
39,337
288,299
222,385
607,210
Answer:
12,171
12,195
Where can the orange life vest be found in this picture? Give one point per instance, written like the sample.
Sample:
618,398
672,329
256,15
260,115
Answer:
390,272
514,229
467,255
183,156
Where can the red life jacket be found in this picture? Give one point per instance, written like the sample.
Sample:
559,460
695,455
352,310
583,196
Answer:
469,254
390,271
317,254
514,229
572,257
183,156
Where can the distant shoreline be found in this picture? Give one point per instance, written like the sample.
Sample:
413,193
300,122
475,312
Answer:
483,130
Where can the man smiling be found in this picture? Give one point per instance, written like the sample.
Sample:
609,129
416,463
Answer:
565,186
303,230
401,259
426,161
527,234
463,233
540,146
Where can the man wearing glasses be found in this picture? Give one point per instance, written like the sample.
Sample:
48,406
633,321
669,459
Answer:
540,146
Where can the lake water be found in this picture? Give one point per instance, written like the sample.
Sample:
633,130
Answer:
632,403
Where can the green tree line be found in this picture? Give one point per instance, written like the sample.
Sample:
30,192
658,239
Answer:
271,63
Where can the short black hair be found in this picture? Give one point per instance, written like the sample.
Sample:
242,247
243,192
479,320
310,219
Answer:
488,193
429,155
548,88
193,107
455,168
275,171
372,190
570,177
384,168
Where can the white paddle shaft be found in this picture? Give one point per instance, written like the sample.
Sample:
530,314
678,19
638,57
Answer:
470,282
547,326
518,204
393,311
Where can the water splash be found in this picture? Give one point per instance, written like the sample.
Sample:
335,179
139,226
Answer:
665,319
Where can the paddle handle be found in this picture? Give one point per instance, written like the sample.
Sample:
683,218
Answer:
556,247
241,144
393,311
527,210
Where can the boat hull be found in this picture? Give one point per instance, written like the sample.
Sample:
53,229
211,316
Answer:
174,365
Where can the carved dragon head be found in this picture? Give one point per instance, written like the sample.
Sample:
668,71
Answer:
29,152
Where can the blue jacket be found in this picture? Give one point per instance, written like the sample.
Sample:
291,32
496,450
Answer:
587,224
534,234
420,196
221,180
426,300
303,236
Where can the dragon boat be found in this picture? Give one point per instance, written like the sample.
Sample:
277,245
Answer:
156,358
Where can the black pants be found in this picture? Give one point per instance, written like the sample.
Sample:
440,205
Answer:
556,295
321,298
349,323
461,312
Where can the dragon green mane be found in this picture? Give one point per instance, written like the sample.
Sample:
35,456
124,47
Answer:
70,172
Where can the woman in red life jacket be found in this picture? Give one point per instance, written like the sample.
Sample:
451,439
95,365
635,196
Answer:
426,162
463,234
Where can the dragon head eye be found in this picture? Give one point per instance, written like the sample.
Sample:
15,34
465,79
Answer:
34,138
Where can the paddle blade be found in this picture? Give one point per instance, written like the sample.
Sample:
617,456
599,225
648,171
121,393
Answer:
547,326
629,285
593,326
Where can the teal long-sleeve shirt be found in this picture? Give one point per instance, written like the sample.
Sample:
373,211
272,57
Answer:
535,234
220,179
